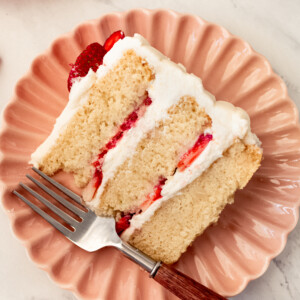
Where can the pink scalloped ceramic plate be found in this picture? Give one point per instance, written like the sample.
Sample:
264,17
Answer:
249,233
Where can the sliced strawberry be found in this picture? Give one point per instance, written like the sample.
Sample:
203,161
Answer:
89,191
147,101
90,58
130,121
98,176
123,223
113,142
112,39
187,159
101,157
155,195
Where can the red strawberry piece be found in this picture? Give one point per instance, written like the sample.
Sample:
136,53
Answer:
147,101
187,159
90,58
123,223
154,195
162,181
90,190
101,155
98,176
96,163
129,122
113,142
112,39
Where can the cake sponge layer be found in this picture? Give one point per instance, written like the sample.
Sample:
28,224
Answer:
156,157
111,99
179,220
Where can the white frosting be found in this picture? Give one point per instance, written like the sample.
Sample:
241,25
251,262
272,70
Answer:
79,94
170,84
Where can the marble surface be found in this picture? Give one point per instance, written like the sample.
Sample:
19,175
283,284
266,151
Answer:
28,27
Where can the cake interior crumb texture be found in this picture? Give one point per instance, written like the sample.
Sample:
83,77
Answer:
156,156
179,220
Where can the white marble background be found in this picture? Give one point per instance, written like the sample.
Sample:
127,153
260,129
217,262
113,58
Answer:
27,28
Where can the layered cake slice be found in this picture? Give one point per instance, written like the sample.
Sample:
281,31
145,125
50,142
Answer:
149,145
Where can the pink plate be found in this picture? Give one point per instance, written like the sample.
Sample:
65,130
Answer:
249,233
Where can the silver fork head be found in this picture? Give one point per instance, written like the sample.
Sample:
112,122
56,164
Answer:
90,233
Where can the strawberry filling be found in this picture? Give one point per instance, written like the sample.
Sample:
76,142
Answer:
188,157
117,35
154,195
125,126
92,57
124,222
185,161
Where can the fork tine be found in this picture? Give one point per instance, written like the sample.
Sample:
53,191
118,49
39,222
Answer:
51,206
66,191
57,197
48,218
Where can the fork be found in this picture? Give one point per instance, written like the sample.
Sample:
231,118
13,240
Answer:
93,233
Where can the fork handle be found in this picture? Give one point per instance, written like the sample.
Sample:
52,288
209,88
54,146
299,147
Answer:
176,282
183,286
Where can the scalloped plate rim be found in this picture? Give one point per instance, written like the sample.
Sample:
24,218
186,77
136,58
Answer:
13,99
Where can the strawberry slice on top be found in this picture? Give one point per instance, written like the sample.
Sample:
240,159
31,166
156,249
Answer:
92,57
112,39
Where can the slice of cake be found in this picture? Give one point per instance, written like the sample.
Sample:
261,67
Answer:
149,145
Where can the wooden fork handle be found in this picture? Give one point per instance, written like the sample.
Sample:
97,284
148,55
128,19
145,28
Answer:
183,286
176,282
